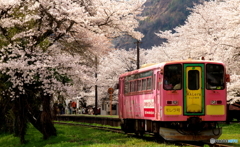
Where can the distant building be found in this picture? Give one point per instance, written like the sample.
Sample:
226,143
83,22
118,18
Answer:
105,108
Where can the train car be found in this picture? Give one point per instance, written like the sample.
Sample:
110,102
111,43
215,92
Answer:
178,100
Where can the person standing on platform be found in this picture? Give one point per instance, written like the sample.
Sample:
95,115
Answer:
74,106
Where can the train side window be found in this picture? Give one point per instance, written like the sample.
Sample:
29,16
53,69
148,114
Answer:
135,86
139,85
126,87
193,79
144,84
154,78
132,86
149,83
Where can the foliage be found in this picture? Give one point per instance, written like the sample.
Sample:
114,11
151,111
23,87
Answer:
34,27
47,50
210,31
115,63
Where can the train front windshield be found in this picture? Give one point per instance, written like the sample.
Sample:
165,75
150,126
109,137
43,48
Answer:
173,77
215,76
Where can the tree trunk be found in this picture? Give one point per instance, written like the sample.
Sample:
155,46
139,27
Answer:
46,119
20,122
42,119
6,121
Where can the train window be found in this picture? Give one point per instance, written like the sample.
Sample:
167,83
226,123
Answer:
139,85
126,87
154,77
135,86
149,83
144,84
193,79
132,86
214,76
172,77
136,82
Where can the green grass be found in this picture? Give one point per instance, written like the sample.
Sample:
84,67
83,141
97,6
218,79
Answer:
77,136
93,124
231,131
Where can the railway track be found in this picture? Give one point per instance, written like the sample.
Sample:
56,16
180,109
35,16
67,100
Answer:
116,130
149,137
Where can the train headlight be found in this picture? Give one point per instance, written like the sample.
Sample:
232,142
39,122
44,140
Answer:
175,102
213,102
172,102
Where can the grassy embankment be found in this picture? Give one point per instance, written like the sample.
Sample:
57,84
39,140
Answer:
76,136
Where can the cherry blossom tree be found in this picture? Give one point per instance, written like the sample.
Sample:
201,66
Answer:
113,64
211,31
48,48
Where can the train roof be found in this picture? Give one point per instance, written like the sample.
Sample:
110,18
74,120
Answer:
191,61
151,66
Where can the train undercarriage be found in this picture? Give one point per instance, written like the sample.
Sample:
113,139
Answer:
191,130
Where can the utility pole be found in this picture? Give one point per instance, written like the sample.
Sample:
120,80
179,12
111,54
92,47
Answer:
138,62
96,91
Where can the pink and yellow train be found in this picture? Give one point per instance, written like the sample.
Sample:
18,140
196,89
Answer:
178,100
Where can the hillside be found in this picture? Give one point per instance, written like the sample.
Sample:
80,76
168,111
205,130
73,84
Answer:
160,15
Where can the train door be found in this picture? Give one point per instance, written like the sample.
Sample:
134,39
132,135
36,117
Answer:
194,89
158,95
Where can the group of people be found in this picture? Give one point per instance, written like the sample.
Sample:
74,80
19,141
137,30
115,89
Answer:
59,108
84,110
72,107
